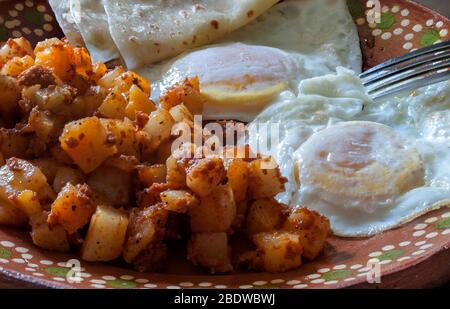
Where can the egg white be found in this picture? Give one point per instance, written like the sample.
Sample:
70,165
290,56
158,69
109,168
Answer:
419,119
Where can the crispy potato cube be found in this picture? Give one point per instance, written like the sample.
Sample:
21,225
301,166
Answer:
149,175
66,175
28,202
122,162
73,208
108,79
11,215
18,175
54,239
81,61
138,101
126,80
86,104
114,105
112,183
10,90
106,234
277,252
205,175
17,65
264,179
210,250
215,213
152,259
181,113
178,200
264,215
157,130
238,174
146,227
312,228
187,93
55,55
18,47
123,135
176,175
87,143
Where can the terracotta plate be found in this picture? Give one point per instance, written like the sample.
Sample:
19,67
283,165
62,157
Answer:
415,255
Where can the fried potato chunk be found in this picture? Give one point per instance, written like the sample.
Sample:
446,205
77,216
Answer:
205,175
312,228
86,143
210,250
178,200
106,234
265,179
43,236
73,208
264,215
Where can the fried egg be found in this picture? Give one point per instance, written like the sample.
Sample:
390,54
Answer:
248,69
368,166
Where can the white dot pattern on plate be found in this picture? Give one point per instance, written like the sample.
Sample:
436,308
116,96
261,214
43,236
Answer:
107,277
205,284
7,244
293,282
446,215
404,12
331,282
59,279
443,33
27,256
356,266
323,270
429,22
150,285
341,266
439,24
4,261
386,36
385,9
427,246
376,32
404,258
395,9
420,243
186,284
97,281
420,226
173,287
446,232
388,247
318,281
418,233
375,253
314,276
418,252
46,262
404,243
126,277
18,261
98,286
277,281
260,282
350,279
417,28
245,286
409,36
29,3
405,22
38,274
13,13
398,31
383,262
300,286
431,235
220,286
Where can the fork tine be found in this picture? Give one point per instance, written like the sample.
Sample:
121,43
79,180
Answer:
404,66
420,52
425,79
402,75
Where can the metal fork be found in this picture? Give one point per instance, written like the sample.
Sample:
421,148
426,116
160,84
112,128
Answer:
413,70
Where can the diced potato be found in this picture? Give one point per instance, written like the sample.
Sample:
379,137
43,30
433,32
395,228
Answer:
18,175
210,250
238,174
178,200
66,175
106,234
264,215
73,208
28,202
276,252
312,228
46,125
187,93
138,101
86,104
265,182
215,213
98,70
55,55
176,175
146,227
205,175
11,215
13,143
126,80
114,105
123,135
112,183
81,61
87,143
11,93
181,113
17,65
149,175
18,47
152,259
108,79
157,130
54,239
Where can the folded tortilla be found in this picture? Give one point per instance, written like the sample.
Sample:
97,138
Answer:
66,22
91,19
148,31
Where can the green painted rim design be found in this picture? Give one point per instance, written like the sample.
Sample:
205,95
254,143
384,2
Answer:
121,284
336,274
429,37
391,255
4,34
387,20
354,6
4,253
34,17
57,271
443,224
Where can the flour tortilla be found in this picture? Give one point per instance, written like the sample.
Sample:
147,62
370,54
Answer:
91,19
148,31
66,22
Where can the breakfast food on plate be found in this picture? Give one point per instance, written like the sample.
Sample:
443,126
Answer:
247,70
368,166
86,164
